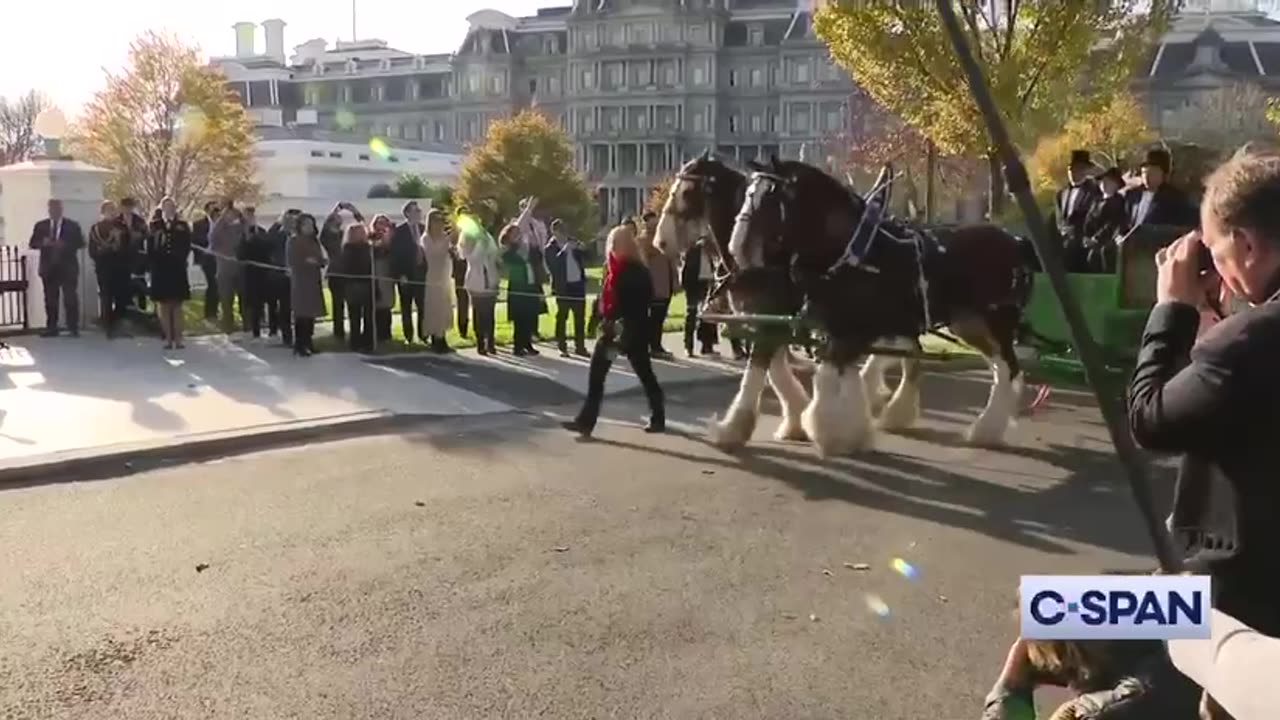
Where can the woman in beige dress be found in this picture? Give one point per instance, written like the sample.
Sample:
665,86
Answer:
437,306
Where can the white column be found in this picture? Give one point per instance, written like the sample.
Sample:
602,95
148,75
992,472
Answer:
28,187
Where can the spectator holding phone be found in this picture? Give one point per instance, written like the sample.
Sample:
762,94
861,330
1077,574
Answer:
1215,399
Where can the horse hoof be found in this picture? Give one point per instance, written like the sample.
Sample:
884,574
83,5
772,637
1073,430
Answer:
727,435
791,431
985,436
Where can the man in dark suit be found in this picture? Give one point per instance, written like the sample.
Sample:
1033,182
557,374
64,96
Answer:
1105,223
208,263
567,263
408,267
59,240
1213,395
139,228
697,272
1156,201
1071,208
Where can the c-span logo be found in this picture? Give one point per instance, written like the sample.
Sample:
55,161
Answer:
1115,607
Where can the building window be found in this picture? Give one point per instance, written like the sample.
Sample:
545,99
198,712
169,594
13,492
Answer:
756,35
699,122
800,120
756,123
317,153
424,131
439,131
644,73
733,78
641,34
802,72
495,84
614,74
833,120
699,75
773,123
588,80
697,33
473,83
757,77
734,124
553,85
335,155
364,156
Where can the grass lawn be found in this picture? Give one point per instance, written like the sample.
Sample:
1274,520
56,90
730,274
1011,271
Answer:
193,312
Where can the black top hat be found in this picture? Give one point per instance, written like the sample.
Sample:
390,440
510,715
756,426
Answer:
1080,157
1113,173
1159,158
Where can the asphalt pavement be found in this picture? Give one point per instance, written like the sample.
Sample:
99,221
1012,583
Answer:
497,567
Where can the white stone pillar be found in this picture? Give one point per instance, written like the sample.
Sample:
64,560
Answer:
27,189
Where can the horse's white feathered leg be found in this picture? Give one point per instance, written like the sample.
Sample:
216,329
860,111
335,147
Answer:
903,409
990,427
858,430
791,396
740,420
873,372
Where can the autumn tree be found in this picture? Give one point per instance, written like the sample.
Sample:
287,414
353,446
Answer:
18,138
1224,118
1114,134
525,155
1042,58
169,125
658,193
411,185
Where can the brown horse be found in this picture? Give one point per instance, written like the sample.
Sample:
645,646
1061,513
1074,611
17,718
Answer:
866,277
703,202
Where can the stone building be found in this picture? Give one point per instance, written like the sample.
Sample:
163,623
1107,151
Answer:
640,85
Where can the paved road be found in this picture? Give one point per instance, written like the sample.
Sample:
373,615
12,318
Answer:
497,568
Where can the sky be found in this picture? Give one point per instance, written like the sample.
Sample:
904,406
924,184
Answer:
85,37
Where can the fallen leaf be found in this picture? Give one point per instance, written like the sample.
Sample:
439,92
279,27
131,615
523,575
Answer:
561,548
708,472
419,503
201,567
942,598
857,566
813,618
790,616
826,572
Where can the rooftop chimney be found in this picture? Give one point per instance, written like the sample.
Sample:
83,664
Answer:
244,39
273,30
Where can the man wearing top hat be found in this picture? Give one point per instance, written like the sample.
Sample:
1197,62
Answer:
1071,207
1156,201
1105,222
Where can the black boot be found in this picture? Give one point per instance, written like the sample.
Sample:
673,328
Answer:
656,424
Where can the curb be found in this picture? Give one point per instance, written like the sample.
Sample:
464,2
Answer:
115,461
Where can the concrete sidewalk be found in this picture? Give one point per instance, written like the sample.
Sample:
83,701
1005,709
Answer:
68,399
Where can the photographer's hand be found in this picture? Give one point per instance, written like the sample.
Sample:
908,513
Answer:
1178,271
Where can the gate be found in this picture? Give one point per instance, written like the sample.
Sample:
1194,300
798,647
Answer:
13,289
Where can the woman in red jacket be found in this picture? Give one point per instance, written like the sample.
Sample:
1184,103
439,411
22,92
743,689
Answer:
624,300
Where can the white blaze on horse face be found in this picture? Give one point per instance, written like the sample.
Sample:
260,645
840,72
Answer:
738,241
668,237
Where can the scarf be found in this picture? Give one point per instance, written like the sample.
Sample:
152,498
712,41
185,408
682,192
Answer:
609,292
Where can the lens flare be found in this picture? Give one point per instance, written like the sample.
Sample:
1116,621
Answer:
877,605
379,147
904,568
344,119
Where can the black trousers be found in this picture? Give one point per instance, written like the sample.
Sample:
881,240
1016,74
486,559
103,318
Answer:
464,308
694,328
113,292
658,311
62,289
304,332
573,300
637,352
360,315
483,316
253,303
523,312
210,270
280,307
410,290
337,291
382,323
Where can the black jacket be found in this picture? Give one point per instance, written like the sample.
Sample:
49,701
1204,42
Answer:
406,258
62,255
256,248
1217,403
558,265
1104,223
1069,221
633,293
1169,206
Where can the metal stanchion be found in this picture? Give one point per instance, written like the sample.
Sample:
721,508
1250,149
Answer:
1086,347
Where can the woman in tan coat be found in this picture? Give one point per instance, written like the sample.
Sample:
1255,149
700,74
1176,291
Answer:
437,314
306,260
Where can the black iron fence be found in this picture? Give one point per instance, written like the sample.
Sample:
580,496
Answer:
13,289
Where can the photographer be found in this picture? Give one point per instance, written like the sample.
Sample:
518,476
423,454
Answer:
1216,399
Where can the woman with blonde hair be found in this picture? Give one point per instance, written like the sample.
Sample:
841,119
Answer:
437,307
624,301
168,247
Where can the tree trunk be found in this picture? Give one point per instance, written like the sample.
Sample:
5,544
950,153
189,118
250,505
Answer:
995,189
930,181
